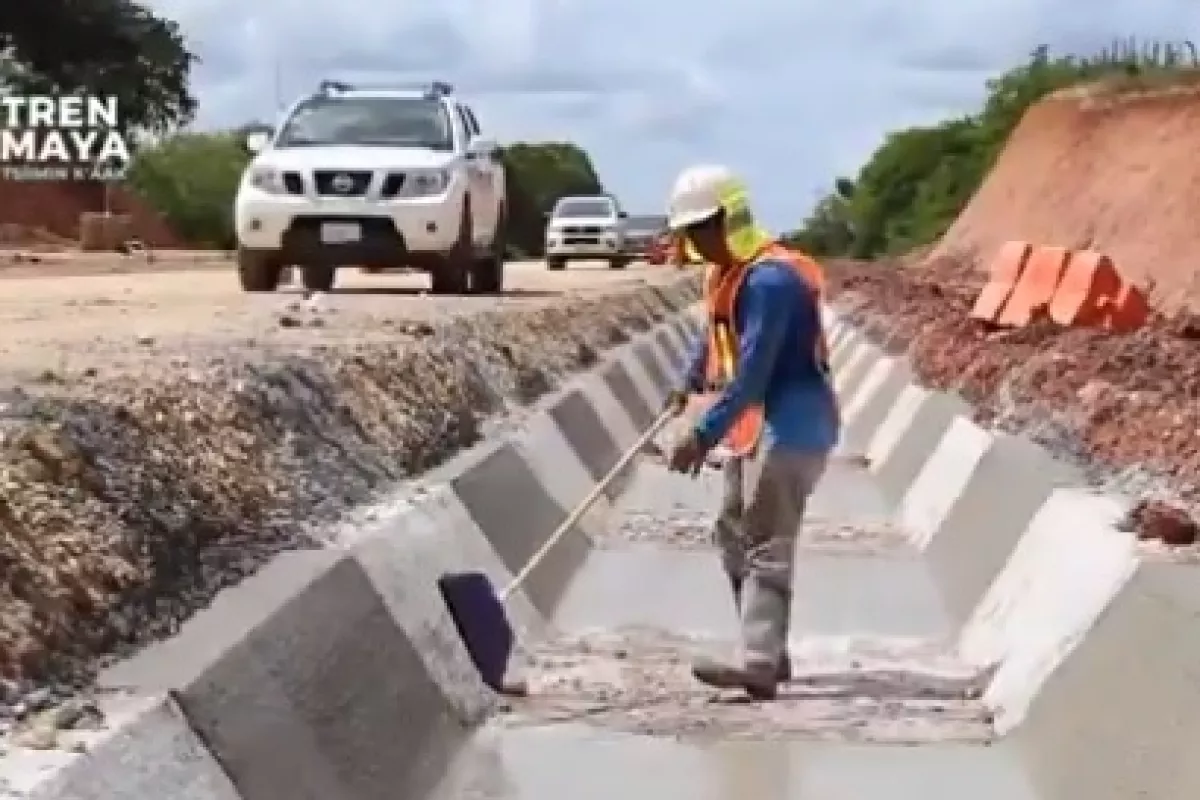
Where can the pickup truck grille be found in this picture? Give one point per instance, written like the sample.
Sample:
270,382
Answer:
342,183
582,230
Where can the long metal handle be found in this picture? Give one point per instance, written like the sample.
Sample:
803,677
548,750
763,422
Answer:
573,518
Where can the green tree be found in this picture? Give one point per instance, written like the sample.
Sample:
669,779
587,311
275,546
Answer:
538,174
102,47
887,188
919,179
191,179
827,231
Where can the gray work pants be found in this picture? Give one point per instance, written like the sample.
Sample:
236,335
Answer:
756,529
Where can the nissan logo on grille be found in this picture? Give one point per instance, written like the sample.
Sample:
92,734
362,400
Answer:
342,183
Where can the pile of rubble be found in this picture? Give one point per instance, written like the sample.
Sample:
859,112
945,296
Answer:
128,501
1125,405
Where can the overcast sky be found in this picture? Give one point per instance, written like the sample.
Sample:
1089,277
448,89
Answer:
789,92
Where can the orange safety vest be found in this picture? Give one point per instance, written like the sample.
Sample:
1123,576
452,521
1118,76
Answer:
720,293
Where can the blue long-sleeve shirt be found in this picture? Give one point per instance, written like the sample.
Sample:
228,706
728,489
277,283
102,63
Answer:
778,322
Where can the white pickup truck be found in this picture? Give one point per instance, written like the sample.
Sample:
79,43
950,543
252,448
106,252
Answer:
586,228
387,177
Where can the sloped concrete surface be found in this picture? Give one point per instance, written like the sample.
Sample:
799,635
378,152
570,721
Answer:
969,620
1011,604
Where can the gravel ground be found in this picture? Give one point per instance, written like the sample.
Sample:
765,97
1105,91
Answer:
150,477
1122,406
58,327
638,681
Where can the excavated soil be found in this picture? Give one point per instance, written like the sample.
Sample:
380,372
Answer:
1099,167
1125,406
638,680
127,501
1114,171
43,213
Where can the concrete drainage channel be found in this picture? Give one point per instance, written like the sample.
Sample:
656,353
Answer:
968,622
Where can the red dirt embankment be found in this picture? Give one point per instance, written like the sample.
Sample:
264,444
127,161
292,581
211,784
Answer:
1108,171
46,212
1114,173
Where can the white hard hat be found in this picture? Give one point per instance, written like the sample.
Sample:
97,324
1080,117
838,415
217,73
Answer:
697,195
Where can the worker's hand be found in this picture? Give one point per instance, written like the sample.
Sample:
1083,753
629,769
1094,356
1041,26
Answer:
688,456
677,402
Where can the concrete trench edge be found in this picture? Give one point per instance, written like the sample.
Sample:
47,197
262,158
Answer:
249,700
1086,643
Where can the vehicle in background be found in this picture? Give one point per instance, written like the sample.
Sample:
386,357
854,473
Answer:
641,232
659,250
393,177
586,227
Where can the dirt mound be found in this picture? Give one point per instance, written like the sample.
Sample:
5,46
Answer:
1120,404
1110,171
126,506
41,209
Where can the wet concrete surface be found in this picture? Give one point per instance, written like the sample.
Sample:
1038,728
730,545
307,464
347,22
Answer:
878,708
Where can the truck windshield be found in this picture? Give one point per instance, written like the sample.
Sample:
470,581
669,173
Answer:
585,208
369,121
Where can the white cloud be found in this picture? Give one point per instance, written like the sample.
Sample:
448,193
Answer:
792,94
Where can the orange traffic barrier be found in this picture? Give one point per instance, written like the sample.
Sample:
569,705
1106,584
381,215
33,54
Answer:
1129,312
1035,288
1002,277
1089,287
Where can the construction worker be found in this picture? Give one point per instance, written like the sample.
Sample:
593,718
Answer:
775,413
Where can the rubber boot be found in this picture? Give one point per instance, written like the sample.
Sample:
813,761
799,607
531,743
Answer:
783,673
756,679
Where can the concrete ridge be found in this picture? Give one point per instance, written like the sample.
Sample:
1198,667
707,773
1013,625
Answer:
1085,644
336,673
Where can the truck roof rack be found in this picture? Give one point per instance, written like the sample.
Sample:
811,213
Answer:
431,89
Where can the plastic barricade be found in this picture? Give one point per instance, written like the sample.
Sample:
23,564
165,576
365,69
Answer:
1035,288
1003,274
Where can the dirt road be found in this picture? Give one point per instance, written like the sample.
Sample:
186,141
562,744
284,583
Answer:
56,326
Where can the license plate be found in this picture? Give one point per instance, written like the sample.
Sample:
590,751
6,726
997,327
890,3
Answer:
340,232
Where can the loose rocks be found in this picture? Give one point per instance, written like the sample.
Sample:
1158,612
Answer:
127,501
1115,401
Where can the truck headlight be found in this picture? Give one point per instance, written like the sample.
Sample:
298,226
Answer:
424,184
266,179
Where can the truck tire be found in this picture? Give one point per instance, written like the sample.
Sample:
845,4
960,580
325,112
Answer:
556,264
487,272
258,271
318,278
618,263
452,275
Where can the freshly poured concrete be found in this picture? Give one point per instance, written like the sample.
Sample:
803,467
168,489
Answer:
841,601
